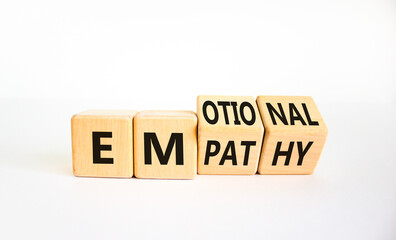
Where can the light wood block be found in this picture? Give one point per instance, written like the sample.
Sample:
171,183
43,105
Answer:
165,144
102,143
230,134
295,135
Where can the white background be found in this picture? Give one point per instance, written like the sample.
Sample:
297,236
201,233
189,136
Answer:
58,58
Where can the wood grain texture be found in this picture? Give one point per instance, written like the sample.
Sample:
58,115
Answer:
119,123
232,133
163,124
282,131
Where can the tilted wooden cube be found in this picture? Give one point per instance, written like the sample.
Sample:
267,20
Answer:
295,135
165,144
102,143
230,134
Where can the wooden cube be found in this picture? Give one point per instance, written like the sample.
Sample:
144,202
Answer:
295,135
102,143
230,134
165,144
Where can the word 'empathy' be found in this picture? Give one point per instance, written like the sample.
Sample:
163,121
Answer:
234,135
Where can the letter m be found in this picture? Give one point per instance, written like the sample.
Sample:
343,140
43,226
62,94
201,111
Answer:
150,138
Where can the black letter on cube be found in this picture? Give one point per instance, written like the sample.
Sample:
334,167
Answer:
97,147
175,139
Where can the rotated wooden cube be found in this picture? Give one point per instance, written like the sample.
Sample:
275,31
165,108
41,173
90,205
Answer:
295,135
165,144
230,134
102,143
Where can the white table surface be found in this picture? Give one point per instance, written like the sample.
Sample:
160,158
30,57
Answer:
351,195
58,58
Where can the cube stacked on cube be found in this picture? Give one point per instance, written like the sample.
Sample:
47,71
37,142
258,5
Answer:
229,135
